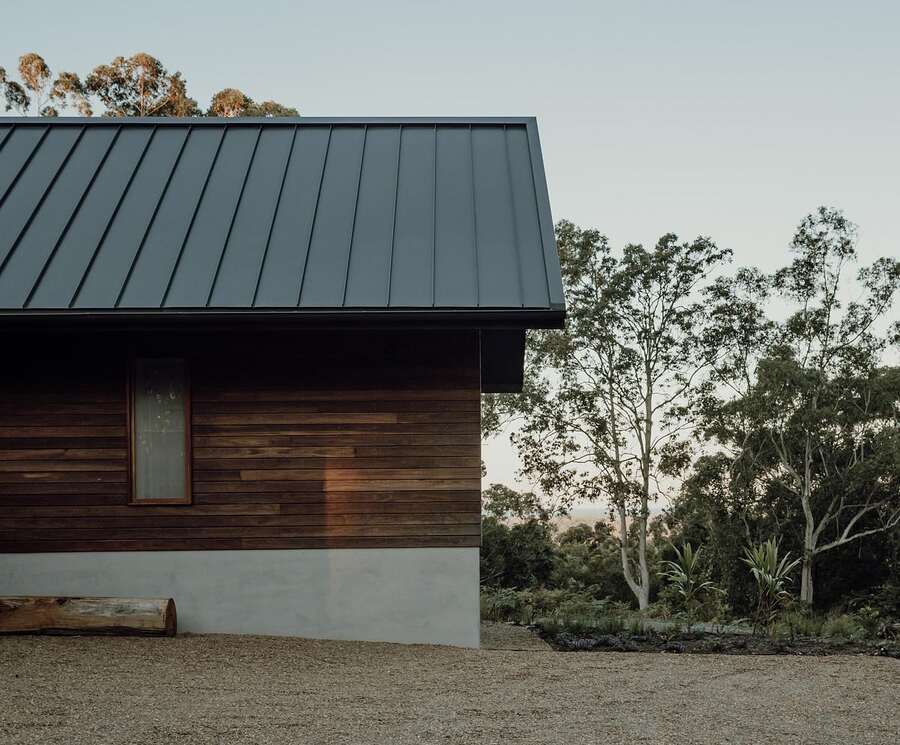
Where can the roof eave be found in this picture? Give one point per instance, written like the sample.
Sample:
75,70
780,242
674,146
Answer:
513,318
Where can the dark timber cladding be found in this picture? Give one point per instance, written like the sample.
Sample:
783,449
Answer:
299,440
298,216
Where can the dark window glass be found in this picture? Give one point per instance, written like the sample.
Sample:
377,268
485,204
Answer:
160,429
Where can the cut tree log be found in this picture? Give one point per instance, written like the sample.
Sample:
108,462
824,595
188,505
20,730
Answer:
70,615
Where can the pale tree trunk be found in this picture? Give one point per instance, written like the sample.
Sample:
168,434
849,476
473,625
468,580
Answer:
640,589
644,594
809,550
809,528
806,578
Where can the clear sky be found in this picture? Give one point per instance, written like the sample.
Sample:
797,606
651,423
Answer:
729,119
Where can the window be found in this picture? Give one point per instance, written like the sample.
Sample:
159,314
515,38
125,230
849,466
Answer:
160,431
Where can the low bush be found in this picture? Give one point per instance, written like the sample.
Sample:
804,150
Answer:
575,611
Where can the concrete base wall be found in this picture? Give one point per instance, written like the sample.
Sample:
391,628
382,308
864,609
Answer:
407,595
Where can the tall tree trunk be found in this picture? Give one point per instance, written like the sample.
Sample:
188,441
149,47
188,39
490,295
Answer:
809,539
806,579
640,589
644,594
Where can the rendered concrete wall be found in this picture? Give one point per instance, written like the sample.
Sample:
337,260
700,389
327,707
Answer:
406,595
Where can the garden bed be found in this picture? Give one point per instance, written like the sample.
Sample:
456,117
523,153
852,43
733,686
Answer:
708,643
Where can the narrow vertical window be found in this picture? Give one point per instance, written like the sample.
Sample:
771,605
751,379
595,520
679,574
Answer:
160,431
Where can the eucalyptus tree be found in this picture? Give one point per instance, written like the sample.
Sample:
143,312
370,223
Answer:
602,415
231,102
805,406
39,92
140,85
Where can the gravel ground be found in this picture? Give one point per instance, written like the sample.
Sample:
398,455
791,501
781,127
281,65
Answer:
230,689
511,638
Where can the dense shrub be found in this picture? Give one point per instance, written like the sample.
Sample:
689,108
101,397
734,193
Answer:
518,556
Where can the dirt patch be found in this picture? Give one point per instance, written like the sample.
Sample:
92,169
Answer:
229,689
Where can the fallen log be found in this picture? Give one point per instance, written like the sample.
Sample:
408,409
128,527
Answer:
69,615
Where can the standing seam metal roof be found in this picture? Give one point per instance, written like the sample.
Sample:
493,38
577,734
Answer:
283,214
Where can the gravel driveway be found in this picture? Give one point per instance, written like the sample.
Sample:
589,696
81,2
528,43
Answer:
230,689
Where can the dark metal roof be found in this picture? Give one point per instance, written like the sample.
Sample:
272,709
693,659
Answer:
291,216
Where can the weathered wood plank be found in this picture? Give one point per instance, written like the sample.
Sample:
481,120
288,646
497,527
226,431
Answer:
249,487
371,441
194,519
330,464
62,455
331,475
213,544
243,531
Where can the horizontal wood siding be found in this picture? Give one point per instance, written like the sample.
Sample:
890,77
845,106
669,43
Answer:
300,440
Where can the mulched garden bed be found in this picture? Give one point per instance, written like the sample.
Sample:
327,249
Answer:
703,643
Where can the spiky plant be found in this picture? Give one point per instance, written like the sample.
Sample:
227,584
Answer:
771,574
685,575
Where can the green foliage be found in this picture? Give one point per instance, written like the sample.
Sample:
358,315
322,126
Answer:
772,577
803,408
231,102
688,590
140,86
518,556
503,503
554,611
886,599
39,92
793,623
870,620
601,413
588,558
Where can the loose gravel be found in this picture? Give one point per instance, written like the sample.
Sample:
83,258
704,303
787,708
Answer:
232,689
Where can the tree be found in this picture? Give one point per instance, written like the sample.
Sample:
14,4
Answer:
588,560
601,414
140,86
810,415
519,555
270,109
231,102
14,95
716,510
39,92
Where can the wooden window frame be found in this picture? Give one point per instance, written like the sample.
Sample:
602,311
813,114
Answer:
188,497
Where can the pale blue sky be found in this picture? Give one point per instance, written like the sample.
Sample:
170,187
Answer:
730,119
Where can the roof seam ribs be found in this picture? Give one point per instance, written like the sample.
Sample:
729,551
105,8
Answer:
112,217
40,202
312,225
190,226
152,219
262,263
24,165
71,218
512,212
474,219
390,271
362,155
182,217
237,207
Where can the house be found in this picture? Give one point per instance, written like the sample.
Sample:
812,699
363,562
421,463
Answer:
242,362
